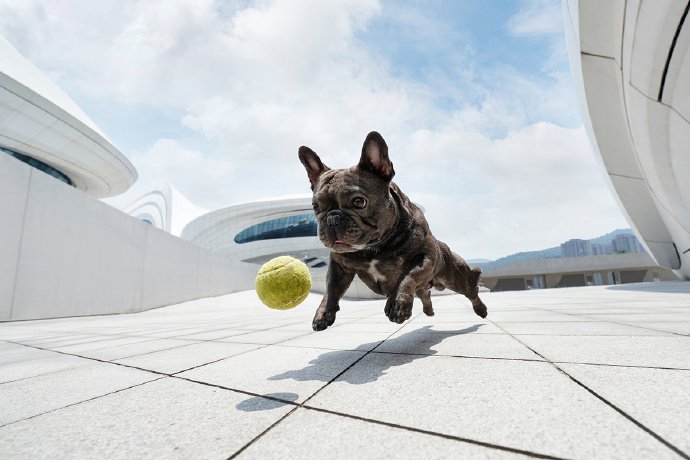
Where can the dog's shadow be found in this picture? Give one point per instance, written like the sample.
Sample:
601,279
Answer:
394,352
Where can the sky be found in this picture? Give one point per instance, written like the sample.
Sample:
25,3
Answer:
473,97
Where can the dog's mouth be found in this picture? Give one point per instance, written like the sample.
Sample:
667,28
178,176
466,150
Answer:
341,246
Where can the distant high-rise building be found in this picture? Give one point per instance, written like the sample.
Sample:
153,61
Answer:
576,248
598,249
626,243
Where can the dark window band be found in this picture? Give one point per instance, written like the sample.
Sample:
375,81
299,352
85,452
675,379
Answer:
41,166
285,227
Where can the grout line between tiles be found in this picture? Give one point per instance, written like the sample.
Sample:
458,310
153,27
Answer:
243,448
434,433
378,422
364,419
592,318
620,411
82,401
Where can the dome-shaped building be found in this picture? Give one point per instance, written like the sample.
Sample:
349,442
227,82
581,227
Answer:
44,128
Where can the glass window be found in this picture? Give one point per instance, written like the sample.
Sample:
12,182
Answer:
38,165
285,227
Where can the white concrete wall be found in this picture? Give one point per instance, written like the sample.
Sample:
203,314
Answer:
64,253
618,52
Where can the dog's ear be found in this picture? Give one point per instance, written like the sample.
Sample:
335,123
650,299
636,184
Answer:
375,157
312,163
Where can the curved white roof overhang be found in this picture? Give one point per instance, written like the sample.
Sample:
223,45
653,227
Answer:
40,120
631,68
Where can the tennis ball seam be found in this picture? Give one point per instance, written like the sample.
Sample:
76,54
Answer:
278,267
295,299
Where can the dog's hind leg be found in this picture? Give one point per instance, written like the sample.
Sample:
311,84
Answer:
459,277
425,296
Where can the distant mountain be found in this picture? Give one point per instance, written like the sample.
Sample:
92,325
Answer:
550,253
553,253
479,261
609,237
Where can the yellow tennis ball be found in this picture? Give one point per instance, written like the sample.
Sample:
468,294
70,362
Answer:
283,283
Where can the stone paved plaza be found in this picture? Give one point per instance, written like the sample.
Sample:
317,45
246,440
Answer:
597,372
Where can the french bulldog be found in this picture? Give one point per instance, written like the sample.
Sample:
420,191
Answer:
375,232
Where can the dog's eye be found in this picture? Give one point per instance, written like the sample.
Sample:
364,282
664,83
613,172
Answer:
315,205
359,202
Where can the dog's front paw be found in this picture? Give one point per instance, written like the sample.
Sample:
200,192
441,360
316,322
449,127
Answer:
323,318
399,309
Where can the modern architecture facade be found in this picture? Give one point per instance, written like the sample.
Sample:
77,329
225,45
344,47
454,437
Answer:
253,233
611,269
62,251
44,128
631,67
165,208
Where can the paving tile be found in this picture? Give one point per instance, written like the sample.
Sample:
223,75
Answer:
126,350
12,352
36,395
673,351
449,316
64,340
183,358
50,362
530,405
463,342
657,398
363,325
264,337
533,316
103,342
646,317
579,328
478,327
322,435
27,331
336,339
213,334
168,418
500,400
675,327
277,369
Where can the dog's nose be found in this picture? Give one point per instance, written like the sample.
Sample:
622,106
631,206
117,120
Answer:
334,218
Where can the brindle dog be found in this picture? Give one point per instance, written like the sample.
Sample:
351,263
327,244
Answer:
375,232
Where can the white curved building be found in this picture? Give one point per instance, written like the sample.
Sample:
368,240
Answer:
260,230
43,127
253,233
631,67
62,251
165,208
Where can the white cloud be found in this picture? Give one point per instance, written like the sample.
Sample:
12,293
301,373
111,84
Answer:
260,81
532,189
189,170
538,17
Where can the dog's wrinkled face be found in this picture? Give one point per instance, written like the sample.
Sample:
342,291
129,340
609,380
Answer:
354,207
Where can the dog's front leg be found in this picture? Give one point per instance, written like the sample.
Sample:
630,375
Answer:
399,303
337,281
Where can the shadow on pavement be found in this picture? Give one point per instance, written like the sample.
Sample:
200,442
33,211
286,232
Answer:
399,351
258,403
